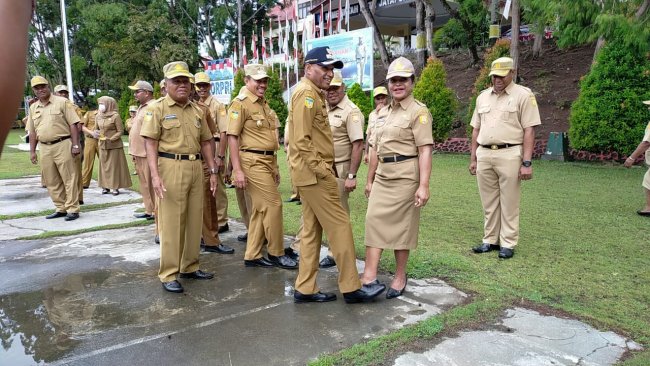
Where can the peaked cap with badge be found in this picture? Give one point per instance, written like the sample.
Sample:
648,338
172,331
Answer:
255,71
322,56
39,80
501,66
176,69
400,67
141,85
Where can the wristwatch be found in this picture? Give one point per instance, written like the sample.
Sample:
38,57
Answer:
75,146
213,171
527,163
222,157
351,176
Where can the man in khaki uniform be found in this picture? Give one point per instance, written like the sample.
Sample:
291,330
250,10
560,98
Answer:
253,141
295,197
218,113
311,155
53,122
143,93
91,146
128,124
644,147
502,147
62,91
380,96
176,138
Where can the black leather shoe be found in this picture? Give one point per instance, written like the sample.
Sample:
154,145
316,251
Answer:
289,252
81,202
143,216
506,253
259,262
56,215
485,247
223,229
283,261
327,262
173,286
392,293
106,191
71,216
221,249
242,237
156,239
365,293
293,199
198,275
317,297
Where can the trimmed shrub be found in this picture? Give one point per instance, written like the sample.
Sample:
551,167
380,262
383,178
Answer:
431,89
126,99
451,35
239,82
274,98
608,114
361,99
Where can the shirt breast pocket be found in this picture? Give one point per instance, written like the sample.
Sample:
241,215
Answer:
171,128
400,128
483,113
336,122
508,114
56,116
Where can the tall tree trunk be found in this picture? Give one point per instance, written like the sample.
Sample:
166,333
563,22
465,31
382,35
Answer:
428,24
240,47
537,43
469,29
514,42
643,8
379,42
420,42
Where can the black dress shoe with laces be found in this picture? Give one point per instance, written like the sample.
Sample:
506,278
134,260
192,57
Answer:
198,275
283,261
506,253
485,247
289,252
71,216
327,262
367,292
223,229
143,216
317,297
173,286
221,249
56,215
259,262
242,237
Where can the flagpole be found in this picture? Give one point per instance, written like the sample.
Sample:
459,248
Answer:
66,51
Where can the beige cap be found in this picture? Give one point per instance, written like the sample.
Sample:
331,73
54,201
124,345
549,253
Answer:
176,69
141,84
401,67
38,80
255,71
60,88
192,80
201,77
380,90
337,79
647,102
162,83
133,108
501,66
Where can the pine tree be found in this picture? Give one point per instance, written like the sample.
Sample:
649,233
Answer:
274,98
431,89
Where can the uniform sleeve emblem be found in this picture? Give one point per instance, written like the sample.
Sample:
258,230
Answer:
423,119
533,101
309,102
356,118
197,122
234,115
148,116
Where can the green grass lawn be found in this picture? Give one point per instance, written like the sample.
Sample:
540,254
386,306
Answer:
582,250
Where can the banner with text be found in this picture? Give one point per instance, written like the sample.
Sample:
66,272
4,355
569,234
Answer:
222,78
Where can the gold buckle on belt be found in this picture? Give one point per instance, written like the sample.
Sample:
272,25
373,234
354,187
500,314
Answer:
494,147
192,157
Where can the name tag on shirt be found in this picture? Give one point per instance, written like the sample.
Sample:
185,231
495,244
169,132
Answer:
170,116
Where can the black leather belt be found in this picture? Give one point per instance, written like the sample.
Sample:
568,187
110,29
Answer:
180,156
217,139
395,158
261,152
55,141
497,147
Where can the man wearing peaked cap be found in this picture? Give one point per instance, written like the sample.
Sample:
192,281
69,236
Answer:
311,155
128,124
253,141
62,91
219,213
53,123
644,146
380,97
177,137
503,139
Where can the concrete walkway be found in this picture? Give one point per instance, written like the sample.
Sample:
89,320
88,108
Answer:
94,299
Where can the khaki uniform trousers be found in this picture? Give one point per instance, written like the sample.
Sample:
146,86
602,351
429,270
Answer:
322,210
221,197
60,175
80,186
294,190
146,189
180,213
91,151
244,203
266,206
210,229
497,173
342,171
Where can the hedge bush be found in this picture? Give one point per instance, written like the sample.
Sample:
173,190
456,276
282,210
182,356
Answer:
431,89
361,99
274,98
608,114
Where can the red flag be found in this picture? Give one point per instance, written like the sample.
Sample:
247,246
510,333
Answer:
244,57
338,18
329,20
321,23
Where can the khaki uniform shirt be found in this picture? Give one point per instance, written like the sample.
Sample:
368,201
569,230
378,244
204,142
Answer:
219,115
136,142
346,123
128,124
646,137
214,130
51,121
372,118
311,150
178,128
503,118
89,121
251,118
401,127
110,131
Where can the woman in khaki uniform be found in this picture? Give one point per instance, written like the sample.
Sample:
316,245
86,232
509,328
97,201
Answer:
113,169
398,176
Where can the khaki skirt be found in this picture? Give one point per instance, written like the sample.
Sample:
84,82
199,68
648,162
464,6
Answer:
113,169
392,220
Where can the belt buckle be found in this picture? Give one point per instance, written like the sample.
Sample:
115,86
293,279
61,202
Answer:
192,157
381,158
494,147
